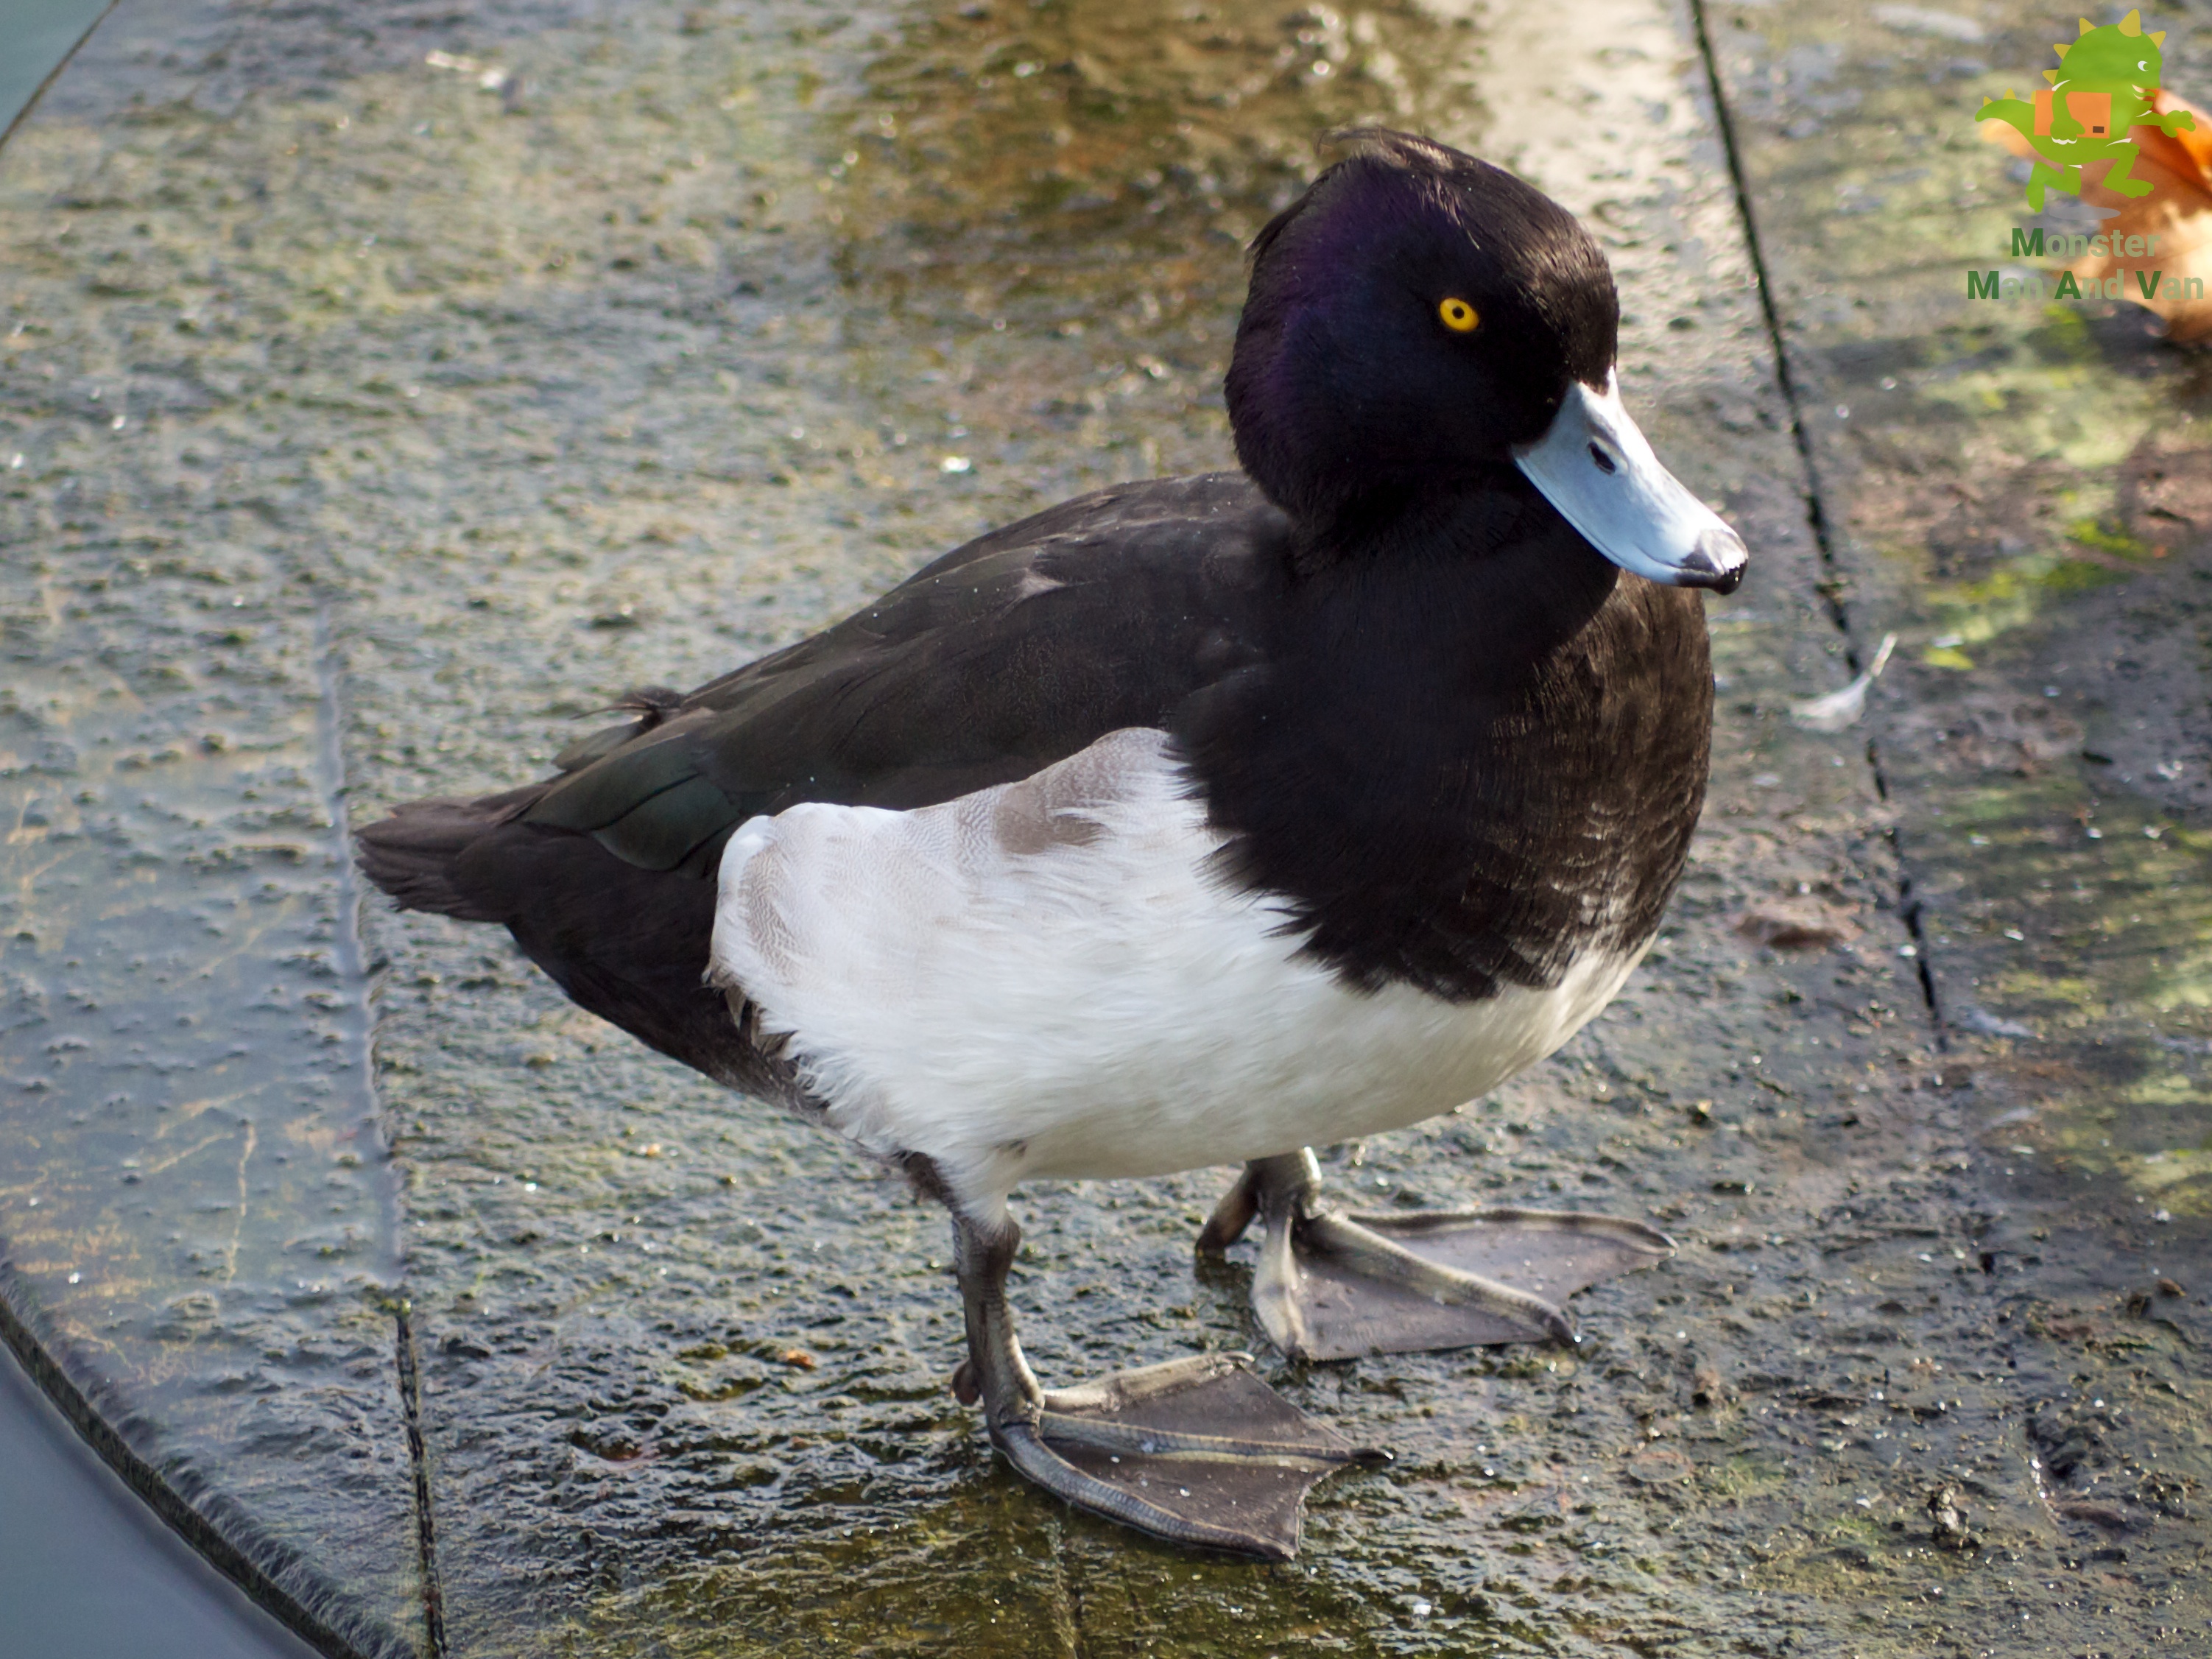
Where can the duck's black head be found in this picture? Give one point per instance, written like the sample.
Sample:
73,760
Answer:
1419,322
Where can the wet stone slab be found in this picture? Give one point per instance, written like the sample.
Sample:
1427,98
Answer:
2022,494
615,346
197,1223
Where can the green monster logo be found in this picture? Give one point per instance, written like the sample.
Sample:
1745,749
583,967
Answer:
2102,87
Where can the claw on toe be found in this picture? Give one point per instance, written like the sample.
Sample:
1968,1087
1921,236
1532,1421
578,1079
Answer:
1235,1211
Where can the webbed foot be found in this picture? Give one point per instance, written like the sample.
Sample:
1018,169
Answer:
1198,1451
1332,1286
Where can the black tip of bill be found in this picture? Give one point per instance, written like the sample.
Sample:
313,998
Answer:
1716,561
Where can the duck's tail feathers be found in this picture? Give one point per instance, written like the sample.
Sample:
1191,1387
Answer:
629,944
415,855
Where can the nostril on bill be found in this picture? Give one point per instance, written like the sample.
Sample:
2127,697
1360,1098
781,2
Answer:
1605,462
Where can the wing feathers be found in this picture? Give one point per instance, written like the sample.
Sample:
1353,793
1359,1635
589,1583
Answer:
965,676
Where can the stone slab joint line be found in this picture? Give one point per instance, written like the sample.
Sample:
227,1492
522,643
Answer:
348,957
426,1528
1815,503
1816,513
353,973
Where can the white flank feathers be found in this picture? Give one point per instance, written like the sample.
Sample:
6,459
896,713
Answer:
1046,978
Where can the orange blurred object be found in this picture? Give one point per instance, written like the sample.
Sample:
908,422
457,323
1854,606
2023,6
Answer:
2178,211
2094,110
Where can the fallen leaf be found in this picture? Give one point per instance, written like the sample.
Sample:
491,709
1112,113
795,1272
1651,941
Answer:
1795,925
2178,211
2110,1516
2070,1330
1660,1467
797,1358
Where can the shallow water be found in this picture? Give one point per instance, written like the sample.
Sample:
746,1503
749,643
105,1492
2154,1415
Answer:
86,1569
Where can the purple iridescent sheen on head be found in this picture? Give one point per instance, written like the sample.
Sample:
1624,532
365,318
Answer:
1350,400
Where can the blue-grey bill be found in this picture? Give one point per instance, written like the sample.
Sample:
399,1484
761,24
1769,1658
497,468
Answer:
1597,468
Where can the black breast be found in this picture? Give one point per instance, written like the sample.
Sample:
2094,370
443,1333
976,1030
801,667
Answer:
1466,759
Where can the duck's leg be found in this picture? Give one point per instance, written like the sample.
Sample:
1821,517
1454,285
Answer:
1199,1451
1332,1286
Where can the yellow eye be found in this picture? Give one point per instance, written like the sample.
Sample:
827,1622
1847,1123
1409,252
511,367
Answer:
1458,316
